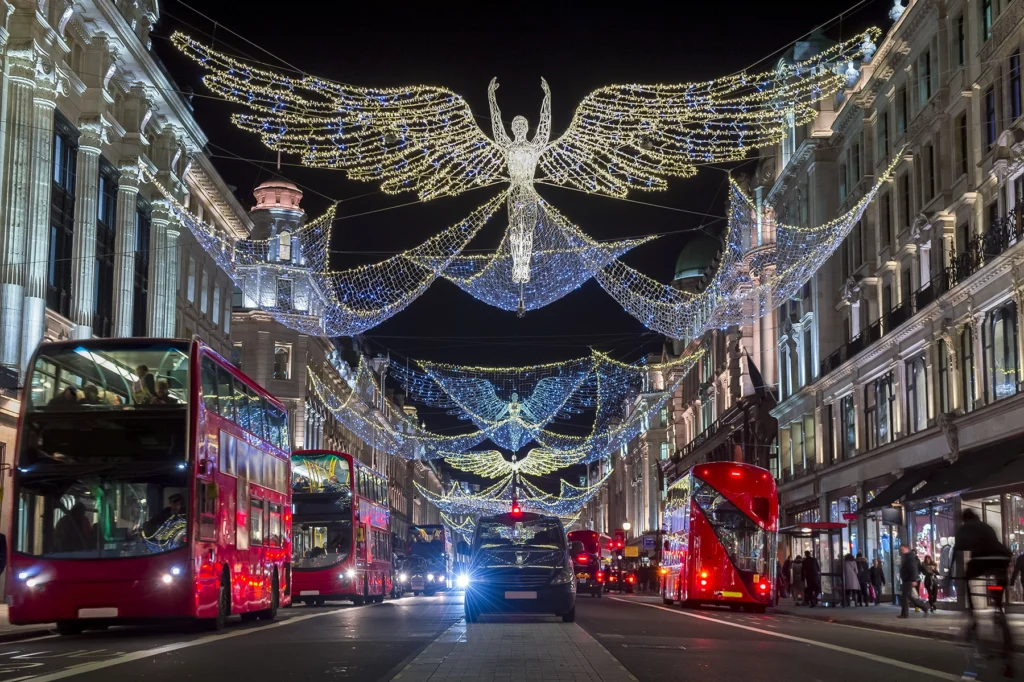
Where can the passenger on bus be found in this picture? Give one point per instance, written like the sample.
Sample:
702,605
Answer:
144,388
69,396
74,531
333,485
163,395
91,395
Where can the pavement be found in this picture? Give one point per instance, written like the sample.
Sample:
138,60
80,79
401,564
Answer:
618,638
13,633
945,625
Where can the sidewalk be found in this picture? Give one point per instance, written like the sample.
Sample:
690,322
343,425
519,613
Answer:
514,652
945,625
12,633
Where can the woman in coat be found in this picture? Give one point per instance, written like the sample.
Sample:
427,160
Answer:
931,581
850,580
797,580
877,577
864,578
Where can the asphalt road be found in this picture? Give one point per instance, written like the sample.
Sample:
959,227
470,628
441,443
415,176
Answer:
374,642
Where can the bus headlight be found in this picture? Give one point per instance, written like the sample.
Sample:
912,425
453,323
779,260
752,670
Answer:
462,581
440,578
167,578
430,577
350,574
32,582
403,577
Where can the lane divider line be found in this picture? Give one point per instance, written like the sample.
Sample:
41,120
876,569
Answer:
803,640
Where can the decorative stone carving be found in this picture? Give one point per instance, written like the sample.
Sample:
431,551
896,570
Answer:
948,425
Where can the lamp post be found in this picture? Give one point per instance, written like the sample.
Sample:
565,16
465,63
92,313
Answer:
626,525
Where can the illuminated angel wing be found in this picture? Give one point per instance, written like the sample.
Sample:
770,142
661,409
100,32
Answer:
422,139
626,137
492,463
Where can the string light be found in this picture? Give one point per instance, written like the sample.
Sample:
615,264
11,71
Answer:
763,264
492,463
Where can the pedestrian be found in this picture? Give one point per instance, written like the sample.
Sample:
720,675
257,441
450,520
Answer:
797,580
910,575
930,569
851,583
864,578
812,579
787,568
877,576
1018,569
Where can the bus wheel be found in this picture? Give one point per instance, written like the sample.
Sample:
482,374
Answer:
667,602
66,628
223,604
271,613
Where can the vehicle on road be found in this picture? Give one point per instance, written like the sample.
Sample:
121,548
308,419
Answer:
342,540
621,580
152,484
589,563
521,562
721,525
432,543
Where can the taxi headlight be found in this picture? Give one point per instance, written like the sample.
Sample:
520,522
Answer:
564,576
462,581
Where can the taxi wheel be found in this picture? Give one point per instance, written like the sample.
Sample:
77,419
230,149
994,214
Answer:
415,593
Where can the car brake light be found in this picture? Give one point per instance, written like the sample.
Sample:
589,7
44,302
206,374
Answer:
600,577
631,579
582,558
703,574
764,586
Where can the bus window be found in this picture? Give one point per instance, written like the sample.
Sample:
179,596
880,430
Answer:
256,521
274,526
225,392
207,493
274,423
242,406
209,380
228,449
254,461
255,415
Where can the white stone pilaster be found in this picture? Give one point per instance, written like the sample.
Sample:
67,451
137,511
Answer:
37,237
15,202
124,250
173,276
158,263
83,249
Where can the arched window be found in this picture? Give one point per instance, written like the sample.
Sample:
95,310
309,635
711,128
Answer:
285,246
1000,342
917,394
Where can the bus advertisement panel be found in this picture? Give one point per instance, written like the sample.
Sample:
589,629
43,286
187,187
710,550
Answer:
342,543
151,483
721,523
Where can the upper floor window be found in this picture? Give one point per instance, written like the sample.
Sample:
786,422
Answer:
990,117
204,292
967,368
216,304
986,19
1015,98
928,174
847,427
883,134
917,394
999,336
285,245
960,145
282,361
943,389
885,219
924,78
664,451
879,411
904,208
901,110
854,175
190,288
961,41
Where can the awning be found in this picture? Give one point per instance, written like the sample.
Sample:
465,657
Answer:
1008,479
900,487
967,471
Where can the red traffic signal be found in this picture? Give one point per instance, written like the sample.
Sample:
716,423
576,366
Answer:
516,510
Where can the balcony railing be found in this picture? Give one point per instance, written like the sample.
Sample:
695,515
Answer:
1002,234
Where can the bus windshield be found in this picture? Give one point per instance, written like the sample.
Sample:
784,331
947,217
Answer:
322,499
102,485
743,539
147,374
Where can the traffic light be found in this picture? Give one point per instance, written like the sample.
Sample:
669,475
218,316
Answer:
620,539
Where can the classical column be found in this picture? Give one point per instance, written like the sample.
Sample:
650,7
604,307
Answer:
124,250
37,237
21,73
173,276
158,278
83,248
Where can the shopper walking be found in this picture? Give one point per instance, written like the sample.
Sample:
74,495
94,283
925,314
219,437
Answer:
851,583
930,569
910,575
799,586
877,577
864,577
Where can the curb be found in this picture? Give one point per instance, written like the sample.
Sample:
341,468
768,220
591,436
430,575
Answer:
885,627
28,633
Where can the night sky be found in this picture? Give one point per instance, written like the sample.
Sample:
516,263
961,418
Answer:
577,47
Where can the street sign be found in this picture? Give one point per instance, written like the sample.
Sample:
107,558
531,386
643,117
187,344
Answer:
632,551
649,542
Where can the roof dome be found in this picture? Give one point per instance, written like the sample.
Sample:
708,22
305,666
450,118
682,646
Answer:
697,255
277,193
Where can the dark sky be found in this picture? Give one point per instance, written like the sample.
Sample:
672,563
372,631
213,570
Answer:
577,47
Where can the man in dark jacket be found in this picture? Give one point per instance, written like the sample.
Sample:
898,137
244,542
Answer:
910,575
812,579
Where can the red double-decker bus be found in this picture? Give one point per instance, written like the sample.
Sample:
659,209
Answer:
151,483
721,524
590,564
342,542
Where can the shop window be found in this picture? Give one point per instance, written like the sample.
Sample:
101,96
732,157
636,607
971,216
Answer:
932,530
1000,341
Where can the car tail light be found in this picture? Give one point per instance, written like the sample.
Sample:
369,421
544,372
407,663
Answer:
582,558
764,586
600,577
632,579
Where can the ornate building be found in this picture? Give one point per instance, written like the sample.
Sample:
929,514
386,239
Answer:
900,365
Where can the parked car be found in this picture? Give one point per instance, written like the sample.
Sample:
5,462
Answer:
620,580
521,563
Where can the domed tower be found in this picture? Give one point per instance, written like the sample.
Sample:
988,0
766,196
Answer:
277,216
694,260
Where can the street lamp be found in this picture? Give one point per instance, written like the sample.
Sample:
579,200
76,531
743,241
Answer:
626,525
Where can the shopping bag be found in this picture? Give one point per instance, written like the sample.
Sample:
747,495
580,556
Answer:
871,592
922,591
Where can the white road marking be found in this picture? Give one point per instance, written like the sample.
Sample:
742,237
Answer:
167,648
824,645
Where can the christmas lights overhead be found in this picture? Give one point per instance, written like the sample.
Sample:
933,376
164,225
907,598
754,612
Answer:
763,264
425,139
492,463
